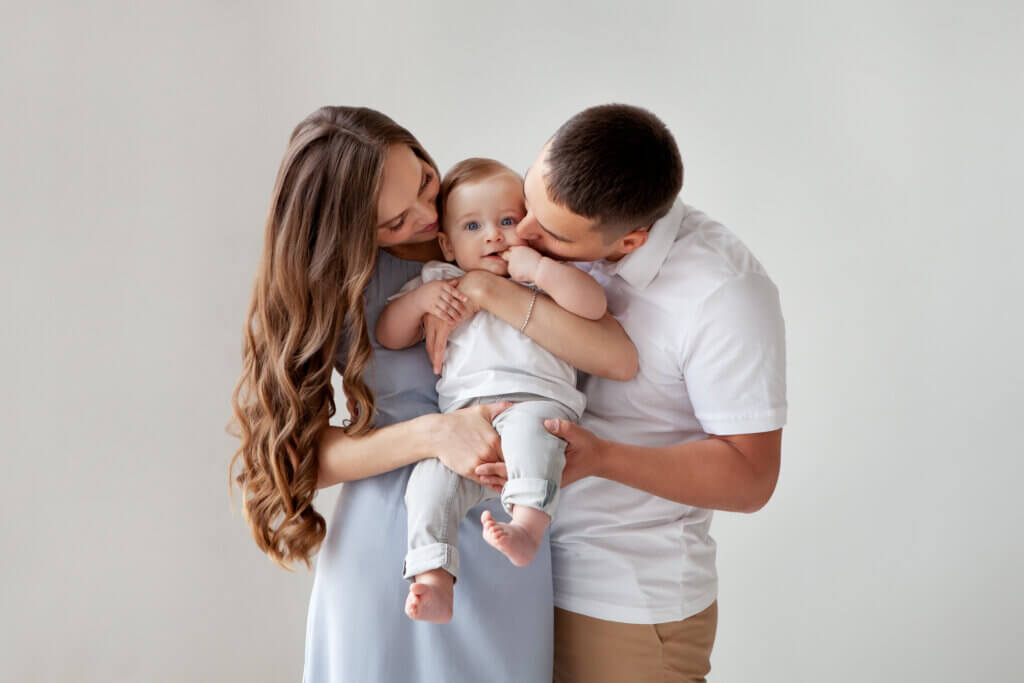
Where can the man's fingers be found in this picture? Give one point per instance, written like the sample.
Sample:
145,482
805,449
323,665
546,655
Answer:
560,428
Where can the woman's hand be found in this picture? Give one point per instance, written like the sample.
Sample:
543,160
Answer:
584,452
441,299
436,329
465,439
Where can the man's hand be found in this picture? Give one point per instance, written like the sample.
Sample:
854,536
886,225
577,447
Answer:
583,453
522,263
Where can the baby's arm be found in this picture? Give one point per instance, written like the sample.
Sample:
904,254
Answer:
570,287
399,324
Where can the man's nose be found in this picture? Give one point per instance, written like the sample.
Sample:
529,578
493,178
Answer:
527,228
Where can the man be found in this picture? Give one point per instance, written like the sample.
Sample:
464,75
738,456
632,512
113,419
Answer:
697,429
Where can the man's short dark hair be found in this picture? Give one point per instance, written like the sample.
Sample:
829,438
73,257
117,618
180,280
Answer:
616,164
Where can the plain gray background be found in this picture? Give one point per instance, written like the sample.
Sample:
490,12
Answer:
868,152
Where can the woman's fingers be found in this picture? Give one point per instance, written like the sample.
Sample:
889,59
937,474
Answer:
493,410
442,312
493,469
454,293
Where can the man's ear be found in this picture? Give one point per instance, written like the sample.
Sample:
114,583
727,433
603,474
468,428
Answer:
446,246
633,241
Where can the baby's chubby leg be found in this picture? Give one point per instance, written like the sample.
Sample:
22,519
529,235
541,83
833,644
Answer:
535,459
436,500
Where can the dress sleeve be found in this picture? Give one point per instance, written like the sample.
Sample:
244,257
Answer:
734,358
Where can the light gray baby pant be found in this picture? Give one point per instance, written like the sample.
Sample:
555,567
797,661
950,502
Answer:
437,499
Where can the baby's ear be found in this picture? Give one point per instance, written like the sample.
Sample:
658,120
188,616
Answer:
446,246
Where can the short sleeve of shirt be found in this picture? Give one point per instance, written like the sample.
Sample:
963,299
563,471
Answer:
734,358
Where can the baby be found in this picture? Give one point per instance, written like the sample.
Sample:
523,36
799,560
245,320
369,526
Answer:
487,360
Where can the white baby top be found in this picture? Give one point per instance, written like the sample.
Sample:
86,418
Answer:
708,327
488,357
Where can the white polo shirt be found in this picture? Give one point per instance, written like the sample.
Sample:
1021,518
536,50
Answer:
707,323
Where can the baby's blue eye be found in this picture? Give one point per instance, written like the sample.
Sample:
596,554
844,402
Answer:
472,225
509,221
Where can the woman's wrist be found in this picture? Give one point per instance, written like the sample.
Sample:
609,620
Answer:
424,432
477,285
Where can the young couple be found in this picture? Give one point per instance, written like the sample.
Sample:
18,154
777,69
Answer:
672,321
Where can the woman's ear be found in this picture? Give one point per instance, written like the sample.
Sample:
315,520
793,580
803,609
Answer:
446,246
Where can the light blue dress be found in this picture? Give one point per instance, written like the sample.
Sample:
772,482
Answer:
357,630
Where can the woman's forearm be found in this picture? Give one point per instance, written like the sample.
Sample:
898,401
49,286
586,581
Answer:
608,351
347,458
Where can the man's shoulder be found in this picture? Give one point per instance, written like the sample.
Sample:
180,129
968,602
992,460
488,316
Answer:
705,255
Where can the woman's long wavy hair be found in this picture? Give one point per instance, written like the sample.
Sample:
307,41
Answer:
318,255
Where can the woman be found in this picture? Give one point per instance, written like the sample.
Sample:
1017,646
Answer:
352,218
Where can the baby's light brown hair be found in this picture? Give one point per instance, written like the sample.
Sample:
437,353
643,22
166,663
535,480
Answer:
469,170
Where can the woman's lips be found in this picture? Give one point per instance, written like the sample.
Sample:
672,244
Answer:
430,228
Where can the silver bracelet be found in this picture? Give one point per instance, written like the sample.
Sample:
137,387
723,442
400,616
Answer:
529,312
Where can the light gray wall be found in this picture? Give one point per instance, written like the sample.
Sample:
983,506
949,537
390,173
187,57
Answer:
868,152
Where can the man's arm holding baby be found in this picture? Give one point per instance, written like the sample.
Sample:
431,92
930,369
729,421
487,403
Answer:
608,353
735,472
400,323
570,287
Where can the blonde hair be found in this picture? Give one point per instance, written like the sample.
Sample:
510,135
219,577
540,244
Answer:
318,256
469,170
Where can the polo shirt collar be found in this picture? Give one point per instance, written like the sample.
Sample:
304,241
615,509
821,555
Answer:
641,266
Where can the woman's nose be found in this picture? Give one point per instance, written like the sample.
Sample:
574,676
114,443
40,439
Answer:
428,213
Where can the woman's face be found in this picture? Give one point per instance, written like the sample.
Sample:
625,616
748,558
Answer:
407,206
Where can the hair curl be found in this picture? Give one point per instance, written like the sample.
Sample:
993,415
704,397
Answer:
318,257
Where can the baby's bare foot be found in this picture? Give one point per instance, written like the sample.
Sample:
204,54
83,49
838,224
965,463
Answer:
512,539
430,602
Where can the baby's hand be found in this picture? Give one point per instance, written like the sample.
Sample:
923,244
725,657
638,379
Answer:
440,298
522,263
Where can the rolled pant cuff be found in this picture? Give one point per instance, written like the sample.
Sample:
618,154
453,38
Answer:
540,494
433,556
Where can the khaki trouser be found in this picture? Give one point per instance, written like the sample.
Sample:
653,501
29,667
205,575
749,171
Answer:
589,650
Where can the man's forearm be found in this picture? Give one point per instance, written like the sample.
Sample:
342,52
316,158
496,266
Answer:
712,473
608,352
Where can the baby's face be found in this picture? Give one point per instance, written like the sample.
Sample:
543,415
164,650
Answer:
480,219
